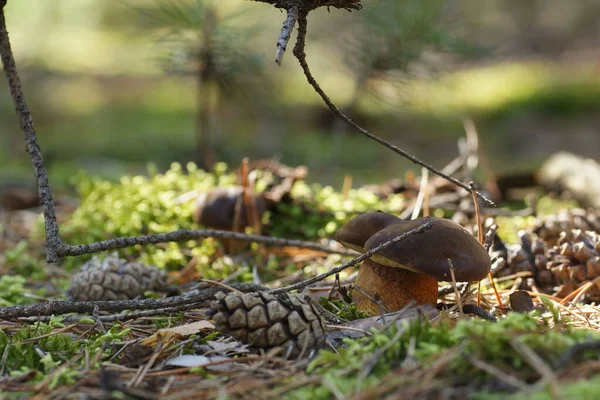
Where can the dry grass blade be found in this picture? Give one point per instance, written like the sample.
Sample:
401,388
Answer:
498,373
492,182
421,196
456,293
539,365
577,294
215,283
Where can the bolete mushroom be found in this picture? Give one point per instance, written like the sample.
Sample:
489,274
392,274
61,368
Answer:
409,270
216,208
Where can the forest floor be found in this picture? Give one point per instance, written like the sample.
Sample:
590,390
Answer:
544,345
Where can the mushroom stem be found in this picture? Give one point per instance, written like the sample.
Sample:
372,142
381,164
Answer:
395,287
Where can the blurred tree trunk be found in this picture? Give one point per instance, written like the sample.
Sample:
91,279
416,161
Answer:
203,121
207,75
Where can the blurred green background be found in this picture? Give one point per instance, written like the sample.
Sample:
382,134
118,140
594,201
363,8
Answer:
113,85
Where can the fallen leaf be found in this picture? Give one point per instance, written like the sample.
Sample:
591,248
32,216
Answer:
231,347
191,361
520,301
178,332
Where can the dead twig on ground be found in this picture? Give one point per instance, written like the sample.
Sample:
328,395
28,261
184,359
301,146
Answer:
199,298
182,235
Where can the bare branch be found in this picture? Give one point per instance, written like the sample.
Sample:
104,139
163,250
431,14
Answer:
53,242
200,298
190,234
301,56
310,5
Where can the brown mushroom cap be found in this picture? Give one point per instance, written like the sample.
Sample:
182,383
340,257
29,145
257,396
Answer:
358,230
216,208
428,252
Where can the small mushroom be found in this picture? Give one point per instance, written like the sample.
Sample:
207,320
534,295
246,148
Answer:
409,270
358,230
216,208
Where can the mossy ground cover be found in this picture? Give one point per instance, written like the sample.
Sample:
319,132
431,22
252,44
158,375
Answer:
452,355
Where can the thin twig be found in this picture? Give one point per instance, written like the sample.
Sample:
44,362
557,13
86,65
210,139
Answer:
301,56
126,316
349,328
355,261
182,235
220,284
373,299
483,242
286,32
65,307
311,5
492,182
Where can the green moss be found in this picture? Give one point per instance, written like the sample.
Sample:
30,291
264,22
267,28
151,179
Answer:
318,211
11,291
138,205
586,389
23,261
342,309
43,354
387,350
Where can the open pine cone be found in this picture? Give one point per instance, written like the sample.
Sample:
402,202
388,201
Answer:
550,228
114,278
266,321
559,265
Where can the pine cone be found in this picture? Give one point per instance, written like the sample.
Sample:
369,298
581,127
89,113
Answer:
559,265
266,321
550,228
114,278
